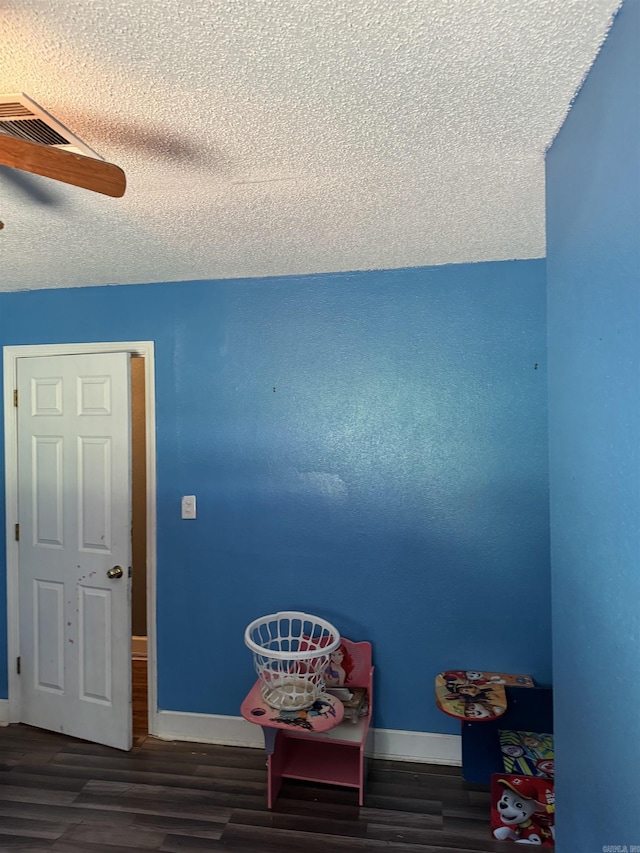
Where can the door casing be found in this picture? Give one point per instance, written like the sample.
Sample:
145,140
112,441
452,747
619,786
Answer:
10,356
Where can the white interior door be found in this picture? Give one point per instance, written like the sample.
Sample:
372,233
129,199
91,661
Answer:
74,500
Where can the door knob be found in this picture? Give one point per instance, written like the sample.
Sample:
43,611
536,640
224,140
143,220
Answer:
115,572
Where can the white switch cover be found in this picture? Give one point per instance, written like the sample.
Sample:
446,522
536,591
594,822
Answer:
189,506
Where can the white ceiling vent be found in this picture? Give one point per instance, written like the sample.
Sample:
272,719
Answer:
24,119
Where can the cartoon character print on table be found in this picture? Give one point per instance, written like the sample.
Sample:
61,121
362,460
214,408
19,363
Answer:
477,677
468,676
339,668
302,719
476,695
477,701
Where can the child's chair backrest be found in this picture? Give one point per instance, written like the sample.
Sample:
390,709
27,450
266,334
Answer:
356,663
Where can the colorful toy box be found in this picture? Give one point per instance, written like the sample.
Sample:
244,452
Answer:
527,753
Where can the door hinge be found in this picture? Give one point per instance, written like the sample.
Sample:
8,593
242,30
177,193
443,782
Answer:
18,663
15,397
17,532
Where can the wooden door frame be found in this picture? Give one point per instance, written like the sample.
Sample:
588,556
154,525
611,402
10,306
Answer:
11,354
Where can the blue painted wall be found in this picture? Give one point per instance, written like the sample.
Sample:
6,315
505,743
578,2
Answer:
593,245
371,447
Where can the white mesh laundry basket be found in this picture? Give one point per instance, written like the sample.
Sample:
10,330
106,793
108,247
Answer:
290,653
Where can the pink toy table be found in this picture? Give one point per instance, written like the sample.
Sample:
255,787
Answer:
325,714
316,745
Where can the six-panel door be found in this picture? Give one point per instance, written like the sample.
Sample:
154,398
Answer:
74,493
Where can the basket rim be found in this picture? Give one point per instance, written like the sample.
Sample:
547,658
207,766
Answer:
288,655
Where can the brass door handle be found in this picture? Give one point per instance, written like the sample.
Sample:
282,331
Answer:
115,572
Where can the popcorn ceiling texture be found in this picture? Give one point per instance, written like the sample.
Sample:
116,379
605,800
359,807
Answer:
281,137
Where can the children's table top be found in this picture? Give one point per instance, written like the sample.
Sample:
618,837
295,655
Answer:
469,695
325,713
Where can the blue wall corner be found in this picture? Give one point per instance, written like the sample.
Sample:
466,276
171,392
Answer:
593,270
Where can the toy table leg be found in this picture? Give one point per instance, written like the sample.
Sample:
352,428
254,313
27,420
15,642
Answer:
528,709
275,764
269,733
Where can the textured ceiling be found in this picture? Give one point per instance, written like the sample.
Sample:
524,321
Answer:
290,136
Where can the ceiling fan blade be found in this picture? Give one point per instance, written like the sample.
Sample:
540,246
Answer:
65,166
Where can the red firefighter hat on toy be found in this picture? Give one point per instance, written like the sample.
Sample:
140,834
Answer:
526,788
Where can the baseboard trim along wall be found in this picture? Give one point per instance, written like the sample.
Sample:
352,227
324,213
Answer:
426,747
4,712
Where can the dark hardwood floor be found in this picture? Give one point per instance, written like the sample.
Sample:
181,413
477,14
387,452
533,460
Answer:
139,698
69,796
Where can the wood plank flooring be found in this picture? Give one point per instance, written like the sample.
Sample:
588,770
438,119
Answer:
62,795
139,698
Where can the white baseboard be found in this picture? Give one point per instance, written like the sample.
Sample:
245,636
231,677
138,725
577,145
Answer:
426,747
139,648
4,712
207,728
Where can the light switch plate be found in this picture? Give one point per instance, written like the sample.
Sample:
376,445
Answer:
189,506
